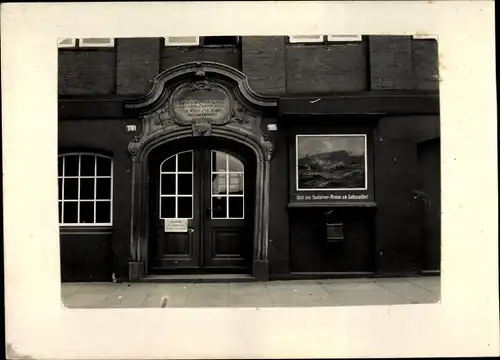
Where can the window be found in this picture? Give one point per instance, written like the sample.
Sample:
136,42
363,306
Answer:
182,41
227,186
306,39
209,41
85,189
331,162
176,186
340,38
86,42
321,38
424,37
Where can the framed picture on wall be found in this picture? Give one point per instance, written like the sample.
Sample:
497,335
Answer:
331,162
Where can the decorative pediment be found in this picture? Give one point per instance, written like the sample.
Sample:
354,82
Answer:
201,96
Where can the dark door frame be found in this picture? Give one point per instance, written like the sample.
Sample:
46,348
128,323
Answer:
243,125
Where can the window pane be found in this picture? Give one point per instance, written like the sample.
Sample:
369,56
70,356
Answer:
70,212
71,165
87,189
235,164
218,161
168,165
167,207
168,184
185,183
86,212
60,211
60,160
185,161
70,189
185,207
103,212
236,207
103,166
87,165
219,205
236,184
59,188
103,190
219,184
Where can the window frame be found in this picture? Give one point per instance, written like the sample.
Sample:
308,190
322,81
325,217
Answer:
344,38
78,200
424,37
167,43
80,43
323,39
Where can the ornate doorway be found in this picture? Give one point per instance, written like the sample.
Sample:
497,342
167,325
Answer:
209,191
205,119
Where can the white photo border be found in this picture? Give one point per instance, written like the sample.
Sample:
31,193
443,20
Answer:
464,323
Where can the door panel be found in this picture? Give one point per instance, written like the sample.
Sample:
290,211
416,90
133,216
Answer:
227,242
177,184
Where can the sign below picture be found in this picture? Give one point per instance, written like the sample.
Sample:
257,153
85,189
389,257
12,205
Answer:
176,225
343,197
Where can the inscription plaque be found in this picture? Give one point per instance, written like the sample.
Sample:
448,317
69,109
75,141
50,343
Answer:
201,101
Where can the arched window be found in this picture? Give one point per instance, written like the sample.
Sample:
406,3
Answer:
85,189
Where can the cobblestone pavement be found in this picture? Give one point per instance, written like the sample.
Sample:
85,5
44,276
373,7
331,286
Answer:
290,293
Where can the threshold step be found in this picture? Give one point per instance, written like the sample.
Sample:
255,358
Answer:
197,278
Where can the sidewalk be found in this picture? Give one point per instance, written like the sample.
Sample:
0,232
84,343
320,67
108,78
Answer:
291,293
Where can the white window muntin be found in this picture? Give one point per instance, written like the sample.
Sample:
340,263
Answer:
227,195
329,135
182,41
342,38
176,196
62,201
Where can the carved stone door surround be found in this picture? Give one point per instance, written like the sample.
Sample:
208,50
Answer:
191,100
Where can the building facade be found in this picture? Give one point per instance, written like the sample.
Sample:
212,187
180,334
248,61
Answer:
271,157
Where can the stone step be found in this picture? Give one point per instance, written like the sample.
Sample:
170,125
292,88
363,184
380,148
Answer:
198,278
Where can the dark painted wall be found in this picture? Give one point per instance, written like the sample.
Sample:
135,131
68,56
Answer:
86,256
310,250
109,137
398,225
430,181
272,64
279,241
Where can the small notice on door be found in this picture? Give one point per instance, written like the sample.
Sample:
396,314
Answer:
176,225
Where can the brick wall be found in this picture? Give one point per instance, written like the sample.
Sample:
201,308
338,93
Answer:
272,65
314,68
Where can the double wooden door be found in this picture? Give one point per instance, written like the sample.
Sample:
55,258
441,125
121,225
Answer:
201,200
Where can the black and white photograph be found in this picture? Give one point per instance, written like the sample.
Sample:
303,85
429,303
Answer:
249,180
174,153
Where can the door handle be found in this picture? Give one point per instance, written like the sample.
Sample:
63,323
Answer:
191,230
